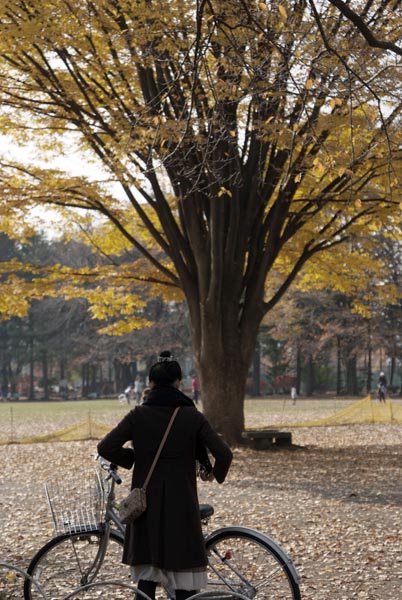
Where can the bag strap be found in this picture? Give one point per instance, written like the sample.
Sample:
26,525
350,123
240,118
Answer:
168,428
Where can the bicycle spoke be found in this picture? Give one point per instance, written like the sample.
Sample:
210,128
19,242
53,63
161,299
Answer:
69,564
248,567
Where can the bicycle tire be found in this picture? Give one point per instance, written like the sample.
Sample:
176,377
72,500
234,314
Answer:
249,563
59,566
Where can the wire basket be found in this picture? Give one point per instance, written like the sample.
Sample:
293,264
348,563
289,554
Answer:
77,506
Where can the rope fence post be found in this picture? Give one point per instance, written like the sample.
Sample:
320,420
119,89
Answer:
11,424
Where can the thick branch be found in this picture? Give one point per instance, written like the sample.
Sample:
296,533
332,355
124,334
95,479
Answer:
371,39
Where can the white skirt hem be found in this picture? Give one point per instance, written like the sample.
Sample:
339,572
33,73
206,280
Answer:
176,580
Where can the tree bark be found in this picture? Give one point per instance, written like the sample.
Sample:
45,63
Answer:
256,389
223,391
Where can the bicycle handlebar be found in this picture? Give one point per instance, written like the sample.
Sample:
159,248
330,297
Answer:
111,469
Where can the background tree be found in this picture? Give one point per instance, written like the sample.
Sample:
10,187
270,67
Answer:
386,318
59,338
243,142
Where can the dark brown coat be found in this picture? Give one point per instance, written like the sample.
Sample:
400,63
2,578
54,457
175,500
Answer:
168,535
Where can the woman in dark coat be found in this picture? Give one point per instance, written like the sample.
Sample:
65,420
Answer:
165,544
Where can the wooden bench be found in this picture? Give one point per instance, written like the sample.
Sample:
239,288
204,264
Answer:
263,439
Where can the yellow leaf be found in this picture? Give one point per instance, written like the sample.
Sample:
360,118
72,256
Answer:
223,191
309,84
283,12
335,102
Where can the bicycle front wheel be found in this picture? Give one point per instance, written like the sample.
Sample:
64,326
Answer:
244,561
66,562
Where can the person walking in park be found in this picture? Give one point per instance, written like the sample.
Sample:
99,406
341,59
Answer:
137,390
129,393
165,544
382,387
195,387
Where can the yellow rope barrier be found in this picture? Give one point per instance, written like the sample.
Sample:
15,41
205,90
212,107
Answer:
86,430
364,411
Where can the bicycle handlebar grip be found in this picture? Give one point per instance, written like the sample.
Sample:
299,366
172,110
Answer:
112,471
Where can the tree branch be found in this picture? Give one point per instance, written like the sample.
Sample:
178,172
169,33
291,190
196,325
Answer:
370,38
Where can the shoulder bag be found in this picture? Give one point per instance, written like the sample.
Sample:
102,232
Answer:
133,505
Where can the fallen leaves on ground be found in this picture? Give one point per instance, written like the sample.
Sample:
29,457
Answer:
333,503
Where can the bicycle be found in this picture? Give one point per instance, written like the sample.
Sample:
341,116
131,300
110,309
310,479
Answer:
89,544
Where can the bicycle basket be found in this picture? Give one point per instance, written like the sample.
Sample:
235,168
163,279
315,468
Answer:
76,506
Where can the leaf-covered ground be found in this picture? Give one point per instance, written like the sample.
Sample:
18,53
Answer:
334,503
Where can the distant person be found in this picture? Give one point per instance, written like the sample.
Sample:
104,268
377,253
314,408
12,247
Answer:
129,393
382,387
293,394
165,545
195,386
137,390
63,389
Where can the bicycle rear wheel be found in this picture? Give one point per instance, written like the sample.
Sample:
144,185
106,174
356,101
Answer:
244,561
64,564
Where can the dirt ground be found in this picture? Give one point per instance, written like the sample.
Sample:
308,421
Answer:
333,502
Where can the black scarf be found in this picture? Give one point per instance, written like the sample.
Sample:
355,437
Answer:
167,395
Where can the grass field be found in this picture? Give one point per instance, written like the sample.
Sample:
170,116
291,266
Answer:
26,419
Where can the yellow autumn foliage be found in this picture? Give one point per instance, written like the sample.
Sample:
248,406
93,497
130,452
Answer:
209,143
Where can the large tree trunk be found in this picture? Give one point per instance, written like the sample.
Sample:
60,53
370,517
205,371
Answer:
224,351
223,386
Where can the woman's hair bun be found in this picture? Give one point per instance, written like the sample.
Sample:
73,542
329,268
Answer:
166,370
165,356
